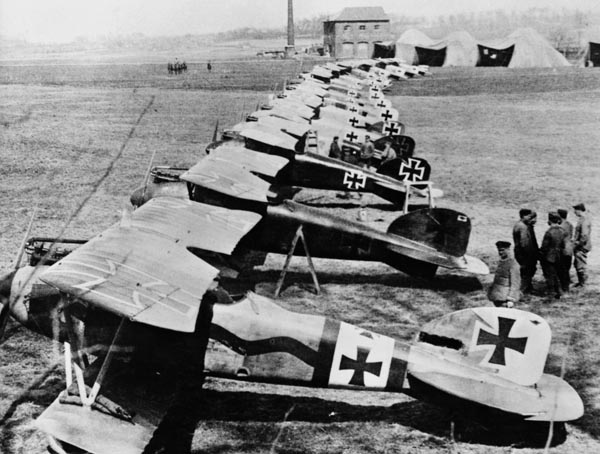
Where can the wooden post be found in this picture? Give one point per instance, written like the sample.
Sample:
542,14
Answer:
299,234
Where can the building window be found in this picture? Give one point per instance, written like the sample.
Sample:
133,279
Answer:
362,27
377,27
347,28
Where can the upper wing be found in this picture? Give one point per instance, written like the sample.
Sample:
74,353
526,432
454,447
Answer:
228,178
141,269
253,161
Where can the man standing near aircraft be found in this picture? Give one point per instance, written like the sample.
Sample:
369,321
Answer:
334,149
526,247
367,151
582,242
567,254
505,291
551,253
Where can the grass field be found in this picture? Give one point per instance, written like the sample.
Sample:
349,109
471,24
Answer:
497,140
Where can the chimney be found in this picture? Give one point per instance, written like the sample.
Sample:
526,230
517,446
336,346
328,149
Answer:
290,28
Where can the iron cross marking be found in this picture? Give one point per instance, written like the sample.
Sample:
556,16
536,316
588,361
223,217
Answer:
351,136
386,115
391,129
353,121
501,341
360,367
412,170
355,180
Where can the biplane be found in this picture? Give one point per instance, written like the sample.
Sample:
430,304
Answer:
134,301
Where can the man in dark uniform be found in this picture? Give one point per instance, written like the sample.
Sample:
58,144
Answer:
505,291
334,149
551,253
526,247
582,243
567,253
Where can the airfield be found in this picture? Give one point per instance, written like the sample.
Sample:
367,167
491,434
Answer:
497,139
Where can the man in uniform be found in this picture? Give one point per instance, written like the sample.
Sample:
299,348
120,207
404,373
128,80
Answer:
505,290
551,253
567,253
582,243
334,149
367,151
526,247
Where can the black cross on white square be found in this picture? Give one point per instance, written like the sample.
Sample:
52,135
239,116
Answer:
361,358
353,121
501,341
351,136
411,170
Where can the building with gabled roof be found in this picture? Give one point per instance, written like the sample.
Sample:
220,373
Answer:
355,30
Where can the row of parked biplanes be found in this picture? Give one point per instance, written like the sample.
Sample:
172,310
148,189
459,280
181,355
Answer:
129,298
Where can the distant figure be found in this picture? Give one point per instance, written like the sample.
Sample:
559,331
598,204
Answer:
582,243
334,149
567,255
367,151
505,290
209,67
184,67
551,253
526,247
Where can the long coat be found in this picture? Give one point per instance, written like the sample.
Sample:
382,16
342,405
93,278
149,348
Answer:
507,282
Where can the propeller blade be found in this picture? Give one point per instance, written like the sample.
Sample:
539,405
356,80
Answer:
4,313
24,242
216,132
148,172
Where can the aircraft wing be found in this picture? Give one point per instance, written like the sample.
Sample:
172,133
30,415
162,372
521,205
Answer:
141,268
270,136
228,178
253,161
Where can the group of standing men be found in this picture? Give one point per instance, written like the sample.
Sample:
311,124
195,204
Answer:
365,156
562,246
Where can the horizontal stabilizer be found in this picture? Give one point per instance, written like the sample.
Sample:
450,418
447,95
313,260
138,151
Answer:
508,343
443,229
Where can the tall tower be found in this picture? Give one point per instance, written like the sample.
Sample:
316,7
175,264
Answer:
290,48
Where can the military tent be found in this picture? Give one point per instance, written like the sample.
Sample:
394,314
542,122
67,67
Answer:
457,49
408,41
591,47
523,48
386,49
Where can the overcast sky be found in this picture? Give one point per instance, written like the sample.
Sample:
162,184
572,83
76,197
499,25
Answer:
64,20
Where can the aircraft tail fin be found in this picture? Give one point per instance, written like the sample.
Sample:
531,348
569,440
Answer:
509,343
445,230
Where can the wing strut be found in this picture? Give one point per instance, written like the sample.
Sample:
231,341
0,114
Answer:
299,234
76,363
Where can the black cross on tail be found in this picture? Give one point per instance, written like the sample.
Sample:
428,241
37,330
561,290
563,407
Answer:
501,341
360,367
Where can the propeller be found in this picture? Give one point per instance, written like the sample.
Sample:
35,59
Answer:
147,176
7,279
216,131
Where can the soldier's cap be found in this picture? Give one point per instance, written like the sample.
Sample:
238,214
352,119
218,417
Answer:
503,244
562,213
525,212
579,206
335,137
554,217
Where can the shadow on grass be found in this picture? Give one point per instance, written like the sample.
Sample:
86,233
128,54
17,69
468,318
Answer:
441,282
248,406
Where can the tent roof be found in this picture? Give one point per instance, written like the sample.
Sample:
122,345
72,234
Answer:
361,14
415,37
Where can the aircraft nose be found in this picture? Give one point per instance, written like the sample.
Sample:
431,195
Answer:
6,281
137,198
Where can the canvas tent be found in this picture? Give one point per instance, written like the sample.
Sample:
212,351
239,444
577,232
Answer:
591,47
457,49
524,48
386,49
